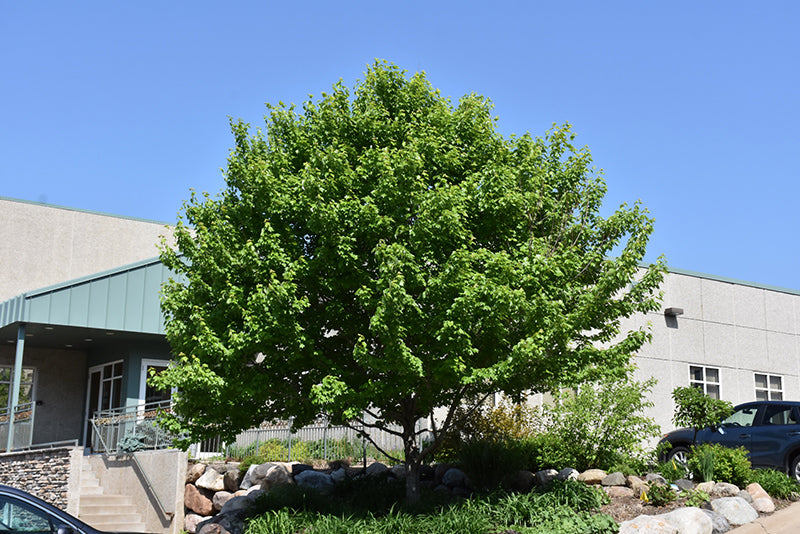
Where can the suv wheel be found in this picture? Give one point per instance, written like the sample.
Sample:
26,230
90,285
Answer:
681,455
794,468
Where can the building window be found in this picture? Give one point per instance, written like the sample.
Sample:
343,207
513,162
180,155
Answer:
769,387
25,386
705,378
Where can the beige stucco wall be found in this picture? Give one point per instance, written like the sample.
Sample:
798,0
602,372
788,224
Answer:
166,472
44,245
739,329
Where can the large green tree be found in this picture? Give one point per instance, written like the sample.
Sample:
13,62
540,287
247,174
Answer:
384,253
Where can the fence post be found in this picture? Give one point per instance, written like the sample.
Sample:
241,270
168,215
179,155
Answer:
364,449
290,440
325,441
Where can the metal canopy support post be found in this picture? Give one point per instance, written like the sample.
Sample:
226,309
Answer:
14,393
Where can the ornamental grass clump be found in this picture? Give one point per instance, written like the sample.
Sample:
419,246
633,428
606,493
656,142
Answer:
729,464
776,483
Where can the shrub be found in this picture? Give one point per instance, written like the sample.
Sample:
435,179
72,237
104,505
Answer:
548,451
778,484
630,466
672,470
729,465
695,409
488,462
697,498
503,422
660,495
601,424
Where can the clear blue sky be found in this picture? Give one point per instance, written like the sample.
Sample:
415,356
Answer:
692,107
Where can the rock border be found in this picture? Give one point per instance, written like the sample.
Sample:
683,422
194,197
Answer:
217,497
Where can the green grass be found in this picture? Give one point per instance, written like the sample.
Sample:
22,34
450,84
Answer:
564,508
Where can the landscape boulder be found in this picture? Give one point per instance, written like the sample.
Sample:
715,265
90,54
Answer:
521,482
719,525
277,475
724,489
377,469
648,524
247,480
239,504
231,480
399,471
656,478
455,478
735,509
197,500
614,479
339,476
194,472
319,482
636,484
545,476
190,522
761,500
707,487
220,498
211,480
568,473
592,476
690,521
619,491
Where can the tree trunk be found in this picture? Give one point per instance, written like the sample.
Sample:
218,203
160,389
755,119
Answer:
412,482
412,461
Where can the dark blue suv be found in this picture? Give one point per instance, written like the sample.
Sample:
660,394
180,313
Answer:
21,512
769,430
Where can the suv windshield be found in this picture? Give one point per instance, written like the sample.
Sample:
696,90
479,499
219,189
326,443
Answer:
741,417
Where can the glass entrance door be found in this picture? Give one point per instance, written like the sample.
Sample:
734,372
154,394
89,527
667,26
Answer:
105,392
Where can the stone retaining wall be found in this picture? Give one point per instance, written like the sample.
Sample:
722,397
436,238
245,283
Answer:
43,473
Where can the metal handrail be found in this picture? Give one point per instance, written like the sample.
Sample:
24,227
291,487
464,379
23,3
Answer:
22,413
96,432
51,445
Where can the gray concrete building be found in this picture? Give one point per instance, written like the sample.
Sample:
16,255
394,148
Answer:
79,309
736,340
44,245
80,321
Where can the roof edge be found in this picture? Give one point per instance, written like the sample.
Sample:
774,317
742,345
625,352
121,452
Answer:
90,212
95,276
730,280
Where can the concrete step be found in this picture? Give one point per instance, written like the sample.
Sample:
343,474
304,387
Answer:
90,485
109,512
117,527
86,491
106,512
110,521
109,509
114,501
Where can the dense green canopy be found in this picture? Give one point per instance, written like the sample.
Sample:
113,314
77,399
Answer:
388,251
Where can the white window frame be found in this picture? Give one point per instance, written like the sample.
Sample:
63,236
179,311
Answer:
768,392
146,362
705,384
10,381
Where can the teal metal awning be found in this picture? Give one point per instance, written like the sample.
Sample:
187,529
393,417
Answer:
125,299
